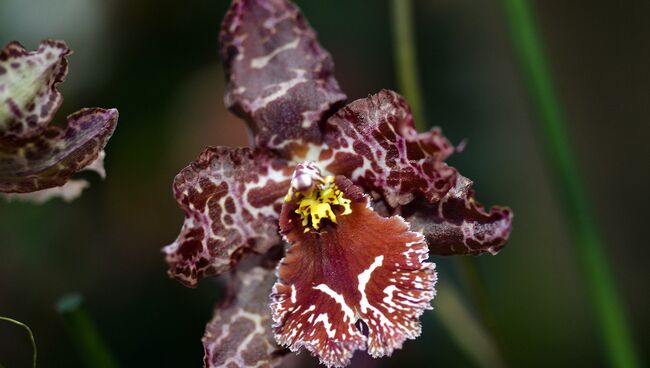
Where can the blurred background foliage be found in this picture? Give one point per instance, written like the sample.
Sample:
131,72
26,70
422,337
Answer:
156,61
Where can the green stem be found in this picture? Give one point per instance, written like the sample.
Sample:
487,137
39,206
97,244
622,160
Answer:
464,329
31,336
472,282
468,333
406,59
90,345
601,287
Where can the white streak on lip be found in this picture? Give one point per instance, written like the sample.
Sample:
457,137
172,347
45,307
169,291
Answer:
310,309
260,62
293,294
326,323
364,277
349,314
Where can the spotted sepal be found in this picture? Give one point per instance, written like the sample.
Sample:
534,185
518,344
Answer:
280,79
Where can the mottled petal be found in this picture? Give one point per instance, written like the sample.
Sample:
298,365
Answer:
240,333
360,283
280,79
374,143
50,158
232,199
28,86
458,225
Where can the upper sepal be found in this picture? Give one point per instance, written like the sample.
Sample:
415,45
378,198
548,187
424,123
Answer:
232,199
280,79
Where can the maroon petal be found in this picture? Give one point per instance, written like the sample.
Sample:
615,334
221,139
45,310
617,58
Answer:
232,199
458,225
374,143
360,283
239,334
50,158
279,77
35,156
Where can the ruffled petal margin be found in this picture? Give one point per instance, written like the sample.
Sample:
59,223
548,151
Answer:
359,284
239,334
280,79
232,199
458,225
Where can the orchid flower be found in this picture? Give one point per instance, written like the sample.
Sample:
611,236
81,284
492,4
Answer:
326,224
36,159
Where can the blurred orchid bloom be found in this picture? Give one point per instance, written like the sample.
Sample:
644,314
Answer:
351,196
37,159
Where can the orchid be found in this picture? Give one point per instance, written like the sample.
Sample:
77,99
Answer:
326,224
37,159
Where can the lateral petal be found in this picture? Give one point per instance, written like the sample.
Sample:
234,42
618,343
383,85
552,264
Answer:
373,142
232,199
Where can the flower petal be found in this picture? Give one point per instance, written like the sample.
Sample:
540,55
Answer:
280,79
458,225
374,143
51,157
239,334
232,199
28,86
35,156
360,283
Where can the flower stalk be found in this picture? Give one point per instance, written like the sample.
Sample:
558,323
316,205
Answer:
589,246
465,329
83,332
405,56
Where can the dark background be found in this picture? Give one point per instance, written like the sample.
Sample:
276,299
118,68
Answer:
156,61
